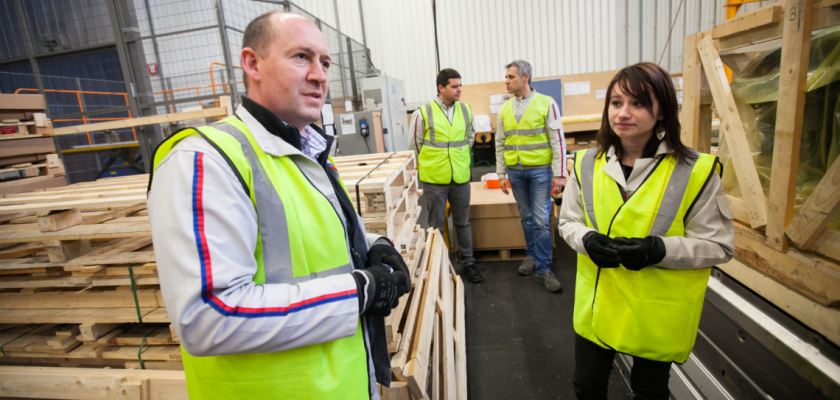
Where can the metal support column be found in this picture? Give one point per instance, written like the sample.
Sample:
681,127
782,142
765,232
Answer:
30,51
340,52
357,100
146,146
220,15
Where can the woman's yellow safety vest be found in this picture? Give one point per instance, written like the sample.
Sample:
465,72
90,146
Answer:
293,199
445,155
526,140
652,313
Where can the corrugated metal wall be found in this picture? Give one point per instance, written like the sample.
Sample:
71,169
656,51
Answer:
478,37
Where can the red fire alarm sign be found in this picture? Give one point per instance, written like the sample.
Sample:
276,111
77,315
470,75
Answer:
152,69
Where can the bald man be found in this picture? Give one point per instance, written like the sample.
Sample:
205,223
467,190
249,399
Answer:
271,283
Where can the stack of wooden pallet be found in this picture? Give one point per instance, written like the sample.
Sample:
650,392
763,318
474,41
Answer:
427,333
27,151
78,282
384,188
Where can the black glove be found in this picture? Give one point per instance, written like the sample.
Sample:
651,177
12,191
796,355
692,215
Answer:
600,249
380,286
637,253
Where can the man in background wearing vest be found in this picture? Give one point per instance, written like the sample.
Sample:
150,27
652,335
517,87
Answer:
269,279
529,146
443,136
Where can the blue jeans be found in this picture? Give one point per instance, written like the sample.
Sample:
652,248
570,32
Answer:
531,189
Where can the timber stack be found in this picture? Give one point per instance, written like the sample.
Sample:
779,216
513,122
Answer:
787,242
27,150
79,288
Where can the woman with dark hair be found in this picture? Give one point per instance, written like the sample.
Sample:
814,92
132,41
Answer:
649,219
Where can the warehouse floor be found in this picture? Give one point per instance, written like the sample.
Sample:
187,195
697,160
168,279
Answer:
520,339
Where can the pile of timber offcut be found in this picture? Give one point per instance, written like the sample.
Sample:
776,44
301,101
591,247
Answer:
427,333
27,151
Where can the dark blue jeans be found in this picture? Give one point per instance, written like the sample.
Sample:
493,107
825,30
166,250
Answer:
531,189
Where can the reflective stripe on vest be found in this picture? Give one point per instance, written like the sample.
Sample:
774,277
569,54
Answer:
300,225
652,313
526,141
445,155
271,217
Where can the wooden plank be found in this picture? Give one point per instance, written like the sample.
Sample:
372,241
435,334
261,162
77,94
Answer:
65,250
102,231
704,136
401,358
692,70
142,121
83,205
828,244
52,197
435,365
820,286
87,383
91,331
820,208
420,354
30,184
448,333
759,18
796,48
89,297
397,391
828,16
734,134
822,319
71,316
115,214
460,339
9,217
59,219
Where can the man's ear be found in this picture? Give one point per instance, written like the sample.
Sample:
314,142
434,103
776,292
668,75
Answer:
249,59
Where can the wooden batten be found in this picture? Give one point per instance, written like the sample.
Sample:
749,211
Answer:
782,255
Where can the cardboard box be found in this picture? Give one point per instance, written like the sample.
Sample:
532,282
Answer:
495,221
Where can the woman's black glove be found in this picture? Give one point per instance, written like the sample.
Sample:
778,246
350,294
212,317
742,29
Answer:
637,253
600,249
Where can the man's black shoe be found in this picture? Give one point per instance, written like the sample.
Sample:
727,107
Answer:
472,273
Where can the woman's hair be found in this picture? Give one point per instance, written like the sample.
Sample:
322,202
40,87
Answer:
646,81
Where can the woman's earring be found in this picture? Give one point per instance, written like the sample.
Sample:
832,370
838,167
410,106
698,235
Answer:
660,132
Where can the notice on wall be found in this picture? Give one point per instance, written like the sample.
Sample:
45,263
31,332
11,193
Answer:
327,116
348,124
328,129
495,108
575,88
481,123
495,99
601,94
348,106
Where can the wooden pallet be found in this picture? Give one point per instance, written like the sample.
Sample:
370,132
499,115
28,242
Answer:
431,349
489,255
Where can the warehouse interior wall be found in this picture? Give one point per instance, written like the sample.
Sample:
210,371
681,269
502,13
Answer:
478,37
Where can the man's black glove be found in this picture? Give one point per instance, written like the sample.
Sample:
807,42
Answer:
600,249
637,253
384,280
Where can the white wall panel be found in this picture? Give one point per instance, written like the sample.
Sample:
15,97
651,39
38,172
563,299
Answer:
558,37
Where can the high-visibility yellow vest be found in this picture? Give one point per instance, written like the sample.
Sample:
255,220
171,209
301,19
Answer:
526,140
652,313
302,238
445,155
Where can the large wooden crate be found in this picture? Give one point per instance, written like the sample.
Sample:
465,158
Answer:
792,249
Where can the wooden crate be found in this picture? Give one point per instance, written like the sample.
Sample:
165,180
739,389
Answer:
792,249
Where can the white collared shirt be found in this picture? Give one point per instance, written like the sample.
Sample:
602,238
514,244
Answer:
709,231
